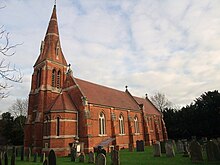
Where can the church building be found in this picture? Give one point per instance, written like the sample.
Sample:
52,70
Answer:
63,107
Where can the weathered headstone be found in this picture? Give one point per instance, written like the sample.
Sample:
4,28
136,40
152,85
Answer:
91,157
35,157
29,154
169,149
45,162
162,146
101,159
213,151
13,159
179,146
73,154
5,158
140,146
82,157
195,150
186,151
22,153
157,149
52,160
115,157
43,157
131,147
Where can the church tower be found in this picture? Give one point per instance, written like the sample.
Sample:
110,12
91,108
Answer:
48,114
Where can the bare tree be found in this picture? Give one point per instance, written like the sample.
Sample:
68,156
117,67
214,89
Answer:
8,73
160,101
19,108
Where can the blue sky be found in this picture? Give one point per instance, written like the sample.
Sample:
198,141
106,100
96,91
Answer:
150,45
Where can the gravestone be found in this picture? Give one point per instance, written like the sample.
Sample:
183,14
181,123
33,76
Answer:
103,151
45,162
179,146
22,153
115,157
52,158
212,151
91,157
0,158
185,148
43,157
14,150
35,157
169,149
162,147
5,158
195,150
157,149
13,159
73,154
82,157
100,159
140,146
131,147
29,154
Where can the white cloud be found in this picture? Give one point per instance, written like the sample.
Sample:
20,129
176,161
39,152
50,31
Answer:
168,46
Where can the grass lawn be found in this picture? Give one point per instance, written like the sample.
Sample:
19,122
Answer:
136,158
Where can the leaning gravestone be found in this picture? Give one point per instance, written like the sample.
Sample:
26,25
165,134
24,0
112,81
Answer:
115,157
52,160
195,150
179,146
35,157
82,157
73,154
213,151
186,151
43,157
5,158
162,146
91,157
22,153
140,146
29,154
101,159
13,159
169,150
157,149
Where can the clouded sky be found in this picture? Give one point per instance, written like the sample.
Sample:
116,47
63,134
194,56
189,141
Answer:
150,45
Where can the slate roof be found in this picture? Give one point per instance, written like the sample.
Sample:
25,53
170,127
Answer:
102,95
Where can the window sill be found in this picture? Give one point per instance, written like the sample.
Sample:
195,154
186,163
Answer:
102,135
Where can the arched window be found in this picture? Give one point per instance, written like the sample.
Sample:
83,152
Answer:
101,124
58,79
58,126
121,125
53,77
38,78
136,125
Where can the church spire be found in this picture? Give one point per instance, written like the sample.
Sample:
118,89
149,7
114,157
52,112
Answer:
51,47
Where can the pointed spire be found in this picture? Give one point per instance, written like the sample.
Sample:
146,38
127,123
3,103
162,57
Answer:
51,44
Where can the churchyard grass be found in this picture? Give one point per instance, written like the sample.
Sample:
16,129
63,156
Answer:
130,158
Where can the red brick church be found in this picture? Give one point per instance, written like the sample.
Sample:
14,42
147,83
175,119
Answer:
62,107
